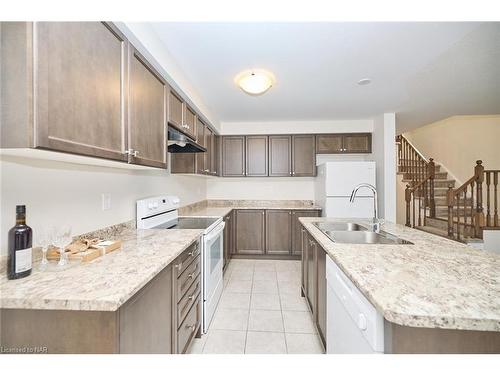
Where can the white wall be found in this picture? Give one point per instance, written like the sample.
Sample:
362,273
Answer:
384,154
56,192
294,127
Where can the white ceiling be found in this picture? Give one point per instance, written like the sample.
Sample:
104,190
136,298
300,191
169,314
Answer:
422,71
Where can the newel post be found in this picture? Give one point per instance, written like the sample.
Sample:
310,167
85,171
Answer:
431,171
479,216
407,200
449,202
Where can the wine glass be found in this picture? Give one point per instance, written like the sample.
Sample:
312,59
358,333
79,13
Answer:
46,237
63,239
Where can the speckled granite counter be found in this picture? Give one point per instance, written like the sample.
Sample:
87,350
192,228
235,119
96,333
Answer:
223,207
105,283
435,283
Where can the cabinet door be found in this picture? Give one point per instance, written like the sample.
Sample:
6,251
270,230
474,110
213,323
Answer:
147,113
175,110
189,121
227,239
217,155
80,88
278,232
312,275
297,227
183,162
146,319
358,143
200,139
233,156
256,155
304,245
209,147
304,155
329,143
280,160
321,294
213,153
250,231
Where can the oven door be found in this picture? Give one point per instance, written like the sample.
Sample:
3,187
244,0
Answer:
213,260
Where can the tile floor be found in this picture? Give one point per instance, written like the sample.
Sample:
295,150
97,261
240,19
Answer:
261,312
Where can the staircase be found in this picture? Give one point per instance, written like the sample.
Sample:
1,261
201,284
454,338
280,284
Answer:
435,204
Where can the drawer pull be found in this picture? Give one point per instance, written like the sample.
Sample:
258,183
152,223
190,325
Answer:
190,276
191,297
191,327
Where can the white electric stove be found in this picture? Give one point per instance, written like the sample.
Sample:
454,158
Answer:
161,212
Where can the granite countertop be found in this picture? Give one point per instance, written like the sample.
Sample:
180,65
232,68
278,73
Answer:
105,283
223,207
434,283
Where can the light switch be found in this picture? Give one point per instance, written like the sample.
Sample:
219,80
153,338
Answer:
106,201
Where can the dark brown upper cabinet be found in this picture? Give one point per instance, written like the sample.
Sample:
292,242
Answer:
233,156
303,155
249,231
79,88
147,109
280,155
278,232
256,155
175,110
352,143
201,140
189,121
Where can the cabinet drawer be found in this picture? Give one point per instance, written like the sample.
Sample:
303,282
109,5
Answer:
189,299
188,328
187,277
186,258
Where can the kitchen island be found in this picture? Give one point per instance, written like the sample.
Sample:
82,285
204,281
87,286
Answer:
432,294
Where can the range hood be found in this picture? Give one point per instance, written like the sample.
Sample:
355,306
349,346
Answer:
179,142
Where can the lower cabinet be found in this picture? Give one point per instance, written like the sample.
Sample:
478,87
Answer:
228,242
249,232
278,232
313,278
297,226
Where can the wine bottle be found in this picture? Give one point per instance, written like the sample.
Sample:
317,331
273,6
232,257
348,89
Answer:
20,251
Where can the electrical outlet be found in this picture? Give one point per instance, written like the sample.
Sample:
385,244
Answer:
106,201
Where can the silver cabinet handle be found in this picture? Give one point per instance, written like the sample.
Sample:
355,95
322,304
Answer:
190,276
191,327
136,153
191,297
130,151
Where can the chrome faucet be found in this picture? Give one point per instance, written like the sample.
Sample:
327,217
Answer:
376,221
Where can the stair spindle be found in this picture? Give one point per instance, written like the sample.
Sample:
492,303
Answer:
495,198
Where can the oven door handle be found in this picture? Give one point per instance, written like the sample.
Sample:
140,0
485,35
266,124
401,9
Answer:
215,232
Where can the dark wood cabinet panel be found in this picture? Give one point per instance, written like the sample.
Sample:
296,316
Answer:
297,228
146,319
312,264
321,294
250,231
175,110
256,155
183,162
280,155
79,88
201,140
233,154
228,238
303,155
147,111
278,232
190,121
303,259
210,150
358,143
329,143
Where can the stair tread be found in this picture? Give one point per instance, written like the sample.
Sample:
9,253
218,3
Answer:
433,230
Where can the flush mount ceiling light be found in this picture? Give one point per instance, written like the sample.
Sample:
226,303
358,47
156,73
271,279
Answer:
255,81
364,81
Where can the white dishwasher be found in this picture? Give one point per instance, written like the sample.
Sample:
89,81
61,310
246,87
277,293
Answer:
353,324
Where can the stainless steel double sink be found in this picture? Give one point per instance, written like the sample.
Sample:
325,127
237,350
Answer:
354,233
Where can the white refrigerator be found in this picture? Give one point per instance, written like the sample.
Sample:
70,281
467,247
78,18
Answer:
334,184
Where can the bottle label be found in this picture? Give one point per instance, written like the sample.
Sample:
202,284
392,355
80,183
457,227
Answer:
23,260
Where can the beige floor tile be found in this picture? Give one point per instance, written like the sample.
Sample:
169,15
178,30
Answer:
261,266
289,286
242,274
293,302
265,286
239,286
225,342
287,265
230,319
265,343
265,320
264,275
299,343
234,301
288,276
197,345
298,322
264,301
